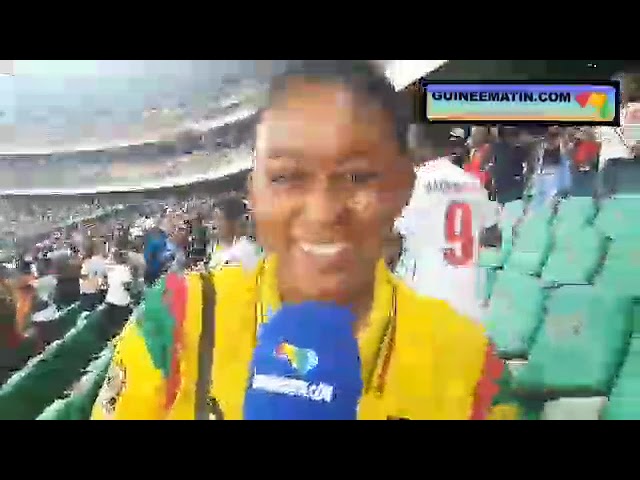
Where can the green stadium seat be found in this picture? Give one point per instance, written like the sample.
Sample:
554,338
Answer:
621,273
635,314
78,405
617,218
46,332
580,346
46,377
515,313
576,210
491,258
512,212
532,245
58,410
573,212
621,268
575,259
624,400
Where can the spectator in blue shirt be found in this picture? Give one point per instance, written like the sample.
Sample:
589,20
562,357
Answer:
553,177
155,248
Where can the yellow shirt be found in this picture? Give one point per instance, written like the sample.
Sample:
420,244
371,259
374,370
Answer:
420,359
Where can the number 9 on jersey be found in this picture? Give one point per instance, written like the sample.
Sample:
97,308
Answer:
458,234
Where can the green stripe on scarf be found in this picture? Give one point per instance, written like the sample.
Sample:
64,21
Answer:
157,326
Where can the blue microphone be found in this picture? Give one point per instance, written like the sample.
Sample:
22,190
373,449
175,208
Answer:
306,366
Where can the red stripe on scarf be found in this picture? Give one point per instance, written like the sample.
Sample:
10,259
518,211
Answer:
487,387
175,298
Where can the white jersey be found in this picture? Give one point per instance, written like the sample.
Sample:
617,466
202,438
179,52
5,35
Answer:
616,141
441,226
243,251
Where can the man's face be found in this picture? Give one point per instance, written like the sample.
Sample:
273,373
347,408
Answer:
328,183
479,136
458,146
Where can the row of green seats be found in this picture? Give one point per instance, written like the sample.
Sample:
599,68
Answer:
621,271
617,218
515,312
575,259
532,244
64,321
513,219
563,252
46,377
67,318
580,346
78,405
537,230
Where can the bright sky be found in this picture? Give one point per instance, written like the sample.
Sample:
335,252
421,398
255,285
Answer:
75,68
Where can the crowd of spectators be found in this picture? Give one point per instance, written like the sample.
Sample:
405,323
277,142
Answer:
108,262
538,162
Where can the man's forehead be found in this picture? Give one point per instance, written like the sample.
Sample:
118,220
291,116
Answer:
328,122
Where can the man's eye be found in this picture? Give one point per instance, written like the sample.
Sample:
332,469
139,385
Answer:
284,178
278,179
362,177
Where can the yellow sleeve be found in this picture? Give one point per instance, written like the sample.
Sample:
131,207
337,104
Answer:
134,388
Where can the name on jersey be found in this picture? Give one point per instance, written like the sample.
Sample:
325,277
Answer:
446,186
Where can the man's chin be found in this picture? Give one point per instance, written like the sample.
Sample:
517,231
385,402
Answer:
327,288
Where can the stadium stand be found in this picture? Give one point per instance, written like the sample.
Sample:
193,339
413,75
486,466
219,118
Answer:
562,292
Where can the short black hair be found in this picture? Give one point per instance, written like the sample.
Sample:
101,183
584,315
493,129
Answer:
361,76
233,208
432,136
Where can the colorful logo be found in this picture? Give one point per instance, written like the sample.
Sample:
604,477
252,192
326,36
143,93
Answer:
595,99
303,360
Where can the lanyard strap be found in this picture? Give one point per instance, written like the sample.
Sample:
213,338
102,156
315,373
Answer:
205,406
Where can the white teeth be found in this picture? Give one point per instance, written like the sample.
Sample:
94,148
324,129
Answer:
322,248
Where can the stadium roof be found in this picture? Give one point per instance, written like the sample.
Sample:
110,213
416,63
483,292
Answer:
56,106
66,105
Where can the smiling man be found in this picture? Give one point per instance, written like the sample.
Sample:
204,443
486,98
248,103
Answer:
331,175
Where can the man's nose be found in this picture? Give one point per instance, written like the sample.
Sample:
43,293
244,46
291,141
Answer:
325,204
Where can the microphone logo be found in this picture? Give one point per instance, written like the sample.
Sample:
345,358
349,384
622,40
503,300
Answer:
302,360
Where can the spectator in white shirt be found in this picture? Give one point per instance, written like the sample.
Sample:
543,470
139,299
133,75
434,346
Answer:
118,298
93,276
231,245
45,284
615,144
136,258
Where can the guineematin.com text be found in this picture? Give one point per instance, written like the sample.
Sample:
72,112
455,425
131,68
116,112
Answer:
479,96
